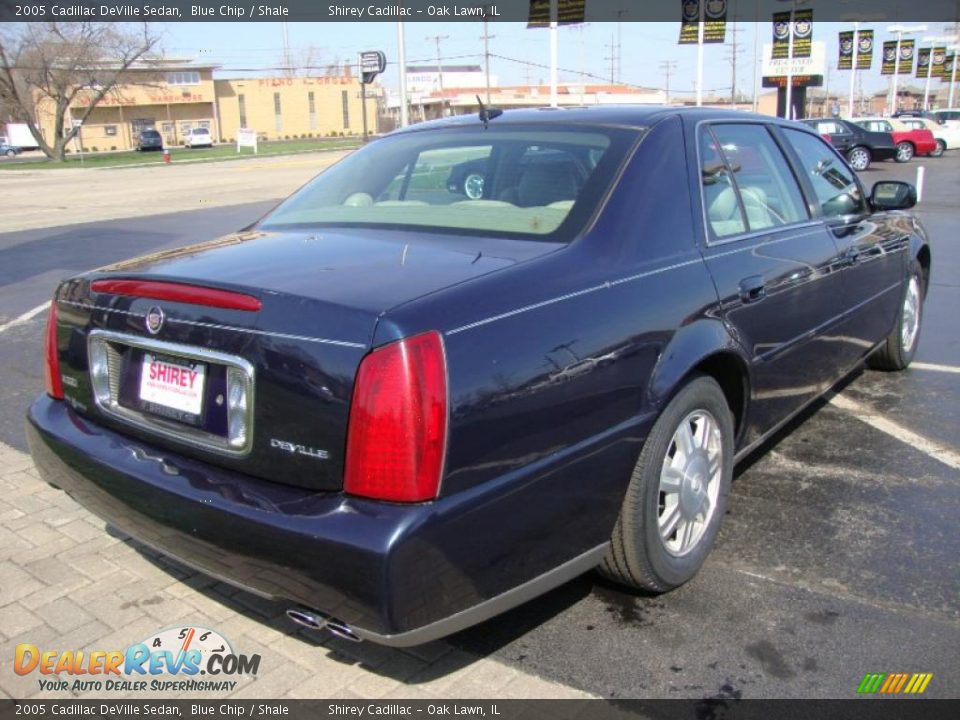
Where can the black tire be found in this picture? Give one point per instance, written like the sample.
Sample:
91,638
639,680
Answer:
941,149
11,153
638,557
905,151
892,355
859,158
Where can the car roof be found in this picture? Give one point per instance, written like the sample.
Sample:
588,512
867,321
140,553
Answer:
631,116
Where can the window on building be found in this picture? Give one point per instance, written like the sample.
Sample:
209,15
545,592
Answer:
278,116
242,105
313,110
183,78
346,109
110,130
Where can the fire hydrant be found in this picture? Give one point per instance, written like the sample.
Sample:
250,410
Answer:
166,156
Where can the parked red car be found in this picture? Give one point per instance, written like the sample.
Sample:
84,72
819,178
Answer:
909,141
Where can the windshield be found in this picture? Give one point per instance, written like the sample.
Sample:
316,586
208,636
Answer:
536,181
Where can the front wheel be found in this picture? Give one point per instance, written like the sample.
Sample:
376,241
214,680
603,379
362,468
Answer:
11,153
940,149
897,351
904,152
677,493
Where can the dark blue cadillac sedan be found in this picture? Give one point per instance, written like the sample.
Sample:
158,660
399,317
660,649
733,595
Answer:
477,358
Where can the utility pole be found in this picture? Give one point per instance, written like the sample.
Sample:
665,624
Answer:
668,66
612,57
619,51
287,70
735,50
402,62
443,99
486,56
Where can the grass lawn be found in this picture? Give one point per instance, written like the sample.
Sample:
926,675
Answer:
178,154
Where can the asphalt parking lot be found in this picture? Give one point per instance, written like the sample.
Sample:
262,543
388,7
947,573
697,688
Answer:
839,554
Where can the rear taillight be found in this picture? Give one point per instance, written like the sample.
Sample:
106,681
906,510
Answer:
398,422
51,364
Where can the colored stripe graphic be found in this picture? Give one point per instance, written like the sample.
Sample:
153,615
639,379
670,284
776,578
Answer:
894,683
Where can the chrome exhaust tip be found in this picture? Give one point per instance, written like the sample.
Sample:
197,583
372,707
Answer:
307,618
342,630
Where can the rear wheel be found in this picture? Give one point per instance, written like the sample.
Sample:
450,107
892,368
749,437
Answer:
11,153
940,149
677,493
859,158
904,152
898,349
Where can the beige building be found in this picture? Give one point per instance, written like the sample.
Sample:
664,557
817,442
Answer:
285,108
175,96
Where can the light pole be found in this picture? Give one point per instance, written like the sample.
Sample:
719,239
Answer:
789,99
853,68
900,31
402,62
933,39
955,49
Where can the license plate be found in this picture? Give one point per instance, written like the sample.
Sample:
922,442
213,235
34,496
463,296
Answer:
173,385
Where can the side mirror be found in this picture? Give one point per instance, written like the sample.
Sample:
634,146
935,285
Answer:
893,195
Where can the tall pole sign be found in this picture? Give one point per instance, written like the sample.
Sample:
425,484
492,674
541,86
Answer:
372,63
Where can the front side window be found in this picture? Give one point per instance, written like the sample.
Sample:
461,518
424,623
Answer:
532,181
833,182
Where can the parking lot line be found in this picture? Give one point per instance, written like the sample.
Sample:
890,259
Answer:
936,450
935,367
26,317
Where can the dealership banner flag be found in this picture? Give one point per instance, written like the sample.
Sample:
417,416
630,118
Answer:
802,34
864,49
845,62
923,62
714,21
946,72
906,57
939,58
569,12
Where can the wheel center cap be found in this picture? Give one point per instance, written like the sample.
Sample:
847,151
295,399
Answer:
694,484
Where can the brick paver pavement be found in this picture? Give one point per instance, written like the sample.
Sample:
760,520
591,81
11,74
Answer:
66,583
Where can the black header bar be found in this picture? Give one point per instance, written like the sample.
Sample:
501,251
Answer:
448,10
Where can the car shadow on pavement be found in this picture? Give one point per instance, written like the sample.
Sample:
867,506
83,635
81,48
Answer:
412,665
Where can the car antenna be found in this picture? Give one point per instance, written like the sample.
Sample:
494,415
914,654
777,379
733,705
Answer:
488,114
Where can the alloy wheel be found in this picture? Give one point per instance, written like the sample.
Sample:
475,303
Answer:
690,482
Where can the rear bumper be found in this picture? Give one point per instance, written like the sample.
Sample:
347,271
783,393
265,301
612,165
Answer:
397,574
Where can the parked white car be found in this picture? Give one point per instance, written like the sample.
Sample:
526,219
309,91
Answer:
946,135
199,137
948,116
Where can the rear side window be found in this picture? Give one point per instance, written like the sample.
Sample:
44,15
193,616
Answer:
763,186
833,182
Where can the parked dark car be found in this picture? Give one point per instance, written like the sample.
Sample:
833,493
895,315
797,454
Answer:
149,140
9,150
859,146
402,412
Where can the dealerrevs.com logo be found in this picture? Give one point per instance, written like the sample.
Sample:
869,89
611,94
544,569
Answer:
180,659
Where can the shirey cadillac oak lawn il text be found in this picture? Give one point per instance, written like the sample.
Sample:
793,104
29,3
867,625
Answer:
477,358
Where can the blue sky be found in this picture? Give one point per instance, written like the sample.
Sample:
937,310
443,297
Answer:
245,48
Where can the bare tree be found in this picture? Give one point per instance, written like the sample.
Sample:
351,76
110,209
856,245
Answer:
46,67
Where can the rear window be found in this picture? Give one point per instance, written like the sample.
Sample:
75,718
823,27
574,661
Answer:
537,182
150,134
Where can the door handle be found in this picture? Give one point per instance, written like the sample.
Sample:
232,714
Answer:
752,289
852,255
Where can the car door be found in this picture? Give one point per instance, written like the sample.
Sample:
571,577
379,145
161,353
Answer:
840,137
871,245
773,265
